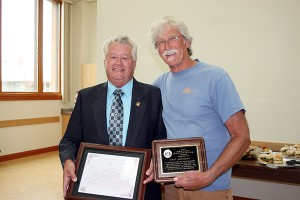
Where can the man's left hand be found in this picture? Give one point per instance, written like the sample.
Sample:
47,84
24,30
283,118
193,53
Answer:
193,180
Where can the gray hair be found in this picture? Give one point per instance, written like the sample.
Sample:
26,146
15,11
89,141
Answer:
122,39
160,26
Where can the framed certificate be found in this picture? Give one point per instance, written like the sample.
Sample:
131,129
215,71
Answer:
109,172
172,157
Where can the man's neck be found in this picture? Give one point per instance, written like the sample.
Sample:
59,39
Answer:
184,66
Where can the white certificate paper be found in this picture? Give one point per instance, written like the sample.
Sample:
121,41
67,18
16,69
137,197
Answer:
109,175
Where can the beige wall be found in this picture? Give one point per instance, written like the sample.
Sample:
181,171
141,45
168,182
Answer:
257,42
83,40
24,138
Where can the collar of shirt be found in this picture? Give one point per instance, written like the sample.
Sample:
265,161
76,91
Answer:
127,89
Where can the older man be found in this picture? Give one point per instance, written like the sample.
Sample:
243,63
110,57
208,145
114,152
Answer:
199,100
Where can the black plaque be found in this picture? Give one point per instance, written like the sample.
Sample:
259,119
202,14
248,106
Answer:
174,157
179,159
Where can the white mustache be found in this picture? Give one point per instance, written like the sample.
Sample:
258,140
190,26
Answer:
169,52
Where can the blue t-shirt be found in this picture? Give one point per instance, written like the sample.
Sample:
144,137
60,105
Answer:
196,103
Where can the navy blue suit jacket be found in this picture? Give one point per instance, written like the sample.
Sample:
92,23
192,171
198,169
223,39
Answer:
88,123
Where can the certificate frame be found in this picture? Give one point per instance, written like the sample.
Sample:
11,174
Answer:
191,145
130,155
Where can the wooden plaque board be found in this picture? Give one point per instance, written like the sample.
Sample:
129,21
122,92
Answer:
172,157
109,172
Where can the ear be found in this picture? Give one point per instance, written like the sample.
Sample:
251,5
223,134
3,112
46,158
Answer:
134,65
187,43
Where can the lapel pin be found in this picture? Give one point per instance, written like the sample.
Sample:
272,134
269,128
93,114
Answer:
138,104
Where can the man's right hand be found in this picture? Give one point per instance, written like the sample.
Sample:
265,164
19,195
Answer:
69,174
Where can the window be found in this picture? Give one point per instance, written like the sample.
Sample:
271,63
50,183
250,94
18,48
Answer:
30,49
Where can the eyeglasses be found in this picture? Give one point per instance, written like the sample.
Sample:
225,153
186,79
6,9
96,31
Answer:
171,41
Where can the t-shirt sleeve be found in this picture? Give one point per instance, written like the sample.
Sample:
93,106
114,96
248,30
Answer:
156,83
226,99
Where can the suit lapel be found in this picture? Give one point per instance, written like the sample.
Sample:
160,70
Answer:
138,107
99,109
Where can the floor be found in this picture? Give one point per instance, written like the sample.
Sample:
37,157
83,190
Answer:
32,178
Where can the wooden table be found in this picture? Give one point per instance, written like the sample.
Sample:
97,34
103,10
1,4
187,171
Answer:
252,169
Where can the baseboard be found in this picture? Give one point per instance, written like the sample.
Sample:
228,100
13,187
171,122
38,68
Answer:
28,153
241,198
